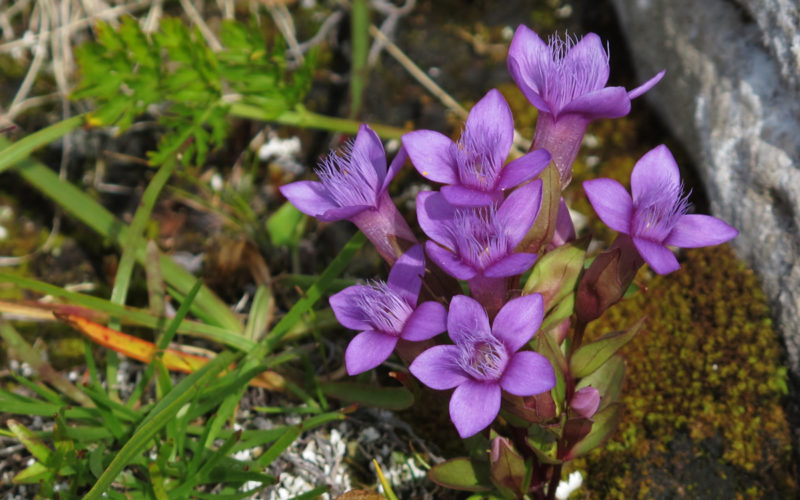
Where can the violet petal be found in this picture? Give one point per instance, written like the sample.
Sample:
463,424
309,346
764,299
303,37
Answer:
693,231
491,116
346,310
641,89
462,196
588,61
519,210
517,322
406,274
449,262
367,350
660,258
523,168
609,102
369,156
430,152
511,265
428,320
528,373
397,163
612,203
434,214
466,319
473,407
438,368
657,170
310,197
341,213
526,57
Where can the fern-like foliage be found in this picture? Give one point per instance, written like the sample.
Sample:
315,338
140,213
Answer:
174,75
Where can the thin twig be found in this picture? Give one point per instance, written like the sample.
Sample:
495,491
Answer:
153,16
419,75
283,20
38,58
330,22
393,15
112,13
520,144
197,19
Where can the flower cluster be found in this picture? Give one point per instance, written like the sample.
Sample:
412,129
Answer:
515,347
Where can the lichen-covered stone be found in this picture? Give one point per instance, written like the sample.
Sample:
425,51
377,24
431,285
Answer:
703,390
730,95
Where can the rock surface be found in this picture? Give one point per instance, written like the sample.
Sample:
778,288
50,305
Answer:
731,95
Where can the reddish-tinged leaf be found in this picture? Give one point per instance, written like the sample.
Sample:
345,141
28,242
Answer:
605,423
144,351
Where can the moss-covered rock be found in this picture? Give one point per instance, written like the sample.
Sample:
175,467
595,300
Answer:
703,390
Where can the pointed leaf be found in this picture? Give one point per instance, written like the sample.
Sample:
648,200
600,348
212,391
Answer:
459,474
508,470
32,474
285,226
543,442
33,444
144,351
389,398
604,425
607,380
545,224
555,274
590,357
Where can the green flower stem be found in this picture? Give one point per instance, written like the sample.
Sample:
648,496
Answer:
301,117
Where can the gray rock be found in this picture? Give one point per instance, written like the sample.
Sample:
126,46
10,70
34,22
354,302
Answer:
732,95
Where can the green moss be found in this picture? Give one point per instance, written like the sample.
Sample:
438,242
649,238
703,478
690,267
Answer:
703,390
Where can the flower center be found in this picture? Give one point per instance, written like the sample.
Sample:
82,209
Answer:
657,210
479,239
566,78
484,359
473,154
346,177
383,308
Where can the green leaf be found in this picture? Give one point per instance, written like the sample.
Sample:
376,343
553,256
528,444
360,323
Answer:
556,273
279,446
590,357
157,418
544,443
33,474
34,445
460,474
286,225
13,152
604,425
389,398
607,380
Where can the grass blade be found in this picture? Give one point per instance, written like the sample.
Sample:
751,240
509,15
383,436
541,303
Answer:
95,216
188,389
21,149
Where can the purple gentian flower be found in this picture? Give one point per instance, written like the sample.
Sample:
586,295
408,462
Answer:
473,241
387,312
473,167
485,360
656,214
353,185
478,244
565,79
